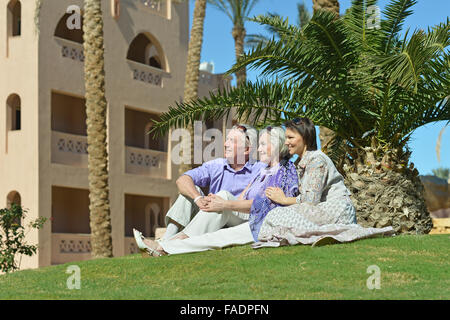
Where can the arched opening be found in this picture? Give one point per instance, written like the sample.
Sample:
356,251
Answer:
147,51
13,113
62,31
153,219
14,18
13,197
137,126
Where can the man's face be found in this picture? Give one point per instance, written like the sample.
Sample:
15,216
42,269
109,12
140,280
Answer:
234,149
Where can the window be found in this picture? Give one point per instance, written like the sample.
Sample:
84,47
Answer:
13,197
14,18
13,113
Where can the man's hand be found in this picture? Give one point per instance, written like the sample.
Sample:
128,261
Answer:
202,203
276,195
215,203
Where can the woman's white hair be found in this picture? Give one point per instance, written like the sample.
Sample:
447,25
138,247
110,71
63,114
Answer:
277,139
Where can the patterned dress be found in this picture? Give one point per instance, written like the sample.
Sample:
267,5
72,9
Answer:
323,214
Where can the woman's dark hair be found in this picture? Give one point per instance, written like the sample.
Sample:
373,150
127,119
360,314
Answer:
306,129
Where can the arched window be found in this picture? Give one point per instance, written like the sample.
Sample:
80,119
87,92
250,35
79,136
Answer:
14,18
145,50
62,31
13,113
13,197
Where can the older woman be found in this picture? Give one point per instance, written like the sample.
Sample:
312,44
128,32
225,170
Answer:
204,231
323,211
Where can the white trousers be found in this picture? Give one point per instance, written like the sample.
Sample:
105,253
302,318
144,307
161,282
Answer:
205,222
183,210
238,235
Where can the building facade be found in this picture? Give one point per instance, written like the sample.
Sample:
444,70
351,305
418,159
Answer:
43,139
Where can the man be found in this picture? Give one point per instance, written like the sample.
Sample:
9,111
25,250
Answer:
232,173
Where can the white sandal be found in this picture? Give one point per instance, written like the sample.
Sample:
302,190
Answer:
145,249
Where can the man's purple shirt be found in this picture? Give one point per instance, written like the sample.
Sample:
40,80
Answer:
219,175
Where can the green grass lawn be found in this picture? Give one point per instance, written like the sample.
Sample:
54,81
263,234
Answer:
412,267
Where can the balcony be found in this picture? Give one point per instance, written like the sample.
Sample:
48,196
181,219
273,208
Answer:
146,162
69,149
69,133
68,247
145,154
70,225
71,49
147,74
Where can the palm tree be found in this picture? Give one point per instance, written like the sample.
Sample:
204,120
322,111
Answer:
372,87
326,135
303,17
238,11
193,69
94,76
331,5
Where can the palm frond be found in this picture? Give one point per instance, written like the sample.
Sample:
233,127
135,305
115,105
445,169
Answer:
357,19
396,13
268,101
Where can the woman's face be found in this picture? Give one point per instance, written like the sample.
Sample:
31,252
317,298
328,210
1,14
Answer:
295,142
265,148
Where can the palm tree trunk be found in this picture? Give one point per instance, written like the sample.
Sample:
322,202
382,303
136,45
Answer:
94,74
387,192
332,5
238,34
239,39
326,135
193,68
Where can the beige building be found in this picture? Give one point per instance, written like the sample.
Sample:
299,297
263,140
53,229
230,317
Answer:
43,143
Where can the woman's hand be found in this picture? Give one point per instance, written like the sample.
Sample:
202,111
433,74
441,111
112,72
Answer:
215,204
276,195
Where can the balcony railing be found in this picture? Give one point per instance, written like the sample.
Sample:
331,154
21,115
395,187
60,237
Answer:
68,247
70,49
69,149
146,162
147,74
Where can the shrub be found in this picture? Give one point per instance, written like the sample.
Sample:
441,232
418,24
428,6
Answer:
12,236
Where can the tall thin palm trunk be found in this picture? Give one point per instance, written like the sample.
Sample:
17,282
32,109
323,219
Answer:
193,68
326,135
94,75
239,34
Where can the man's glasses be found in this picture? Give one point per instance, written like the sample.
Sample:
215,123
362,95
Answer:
241,127
244,129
